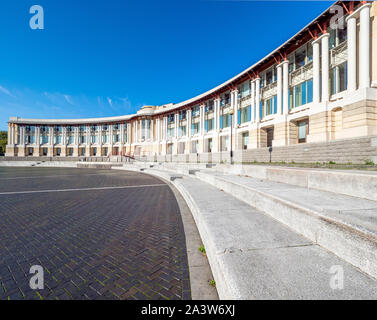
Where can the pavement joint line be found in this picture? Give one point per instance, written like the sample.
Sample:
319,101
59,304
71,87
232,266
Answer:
81,189
57,176
232,250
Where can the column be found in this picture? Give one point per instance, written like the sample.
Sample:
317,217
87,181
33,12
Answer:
316,72
176,122
235,107
51,135
165,128
37,135
22,135
285,64
279,89
325,66
201,119
10,133
189,119
111,139
252,95
129,141
257,99
364,52
77,135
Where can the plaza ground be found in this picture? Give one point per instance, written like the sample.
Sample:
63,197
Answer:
98,234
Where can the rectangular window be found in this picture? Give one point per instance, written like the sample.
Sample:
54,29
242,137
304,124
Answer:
116,138
194,128
298,96
309,91
182,131
303,130
245,140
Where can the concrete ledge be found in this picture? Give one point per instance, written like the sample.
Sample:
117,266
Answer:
355,183
350,234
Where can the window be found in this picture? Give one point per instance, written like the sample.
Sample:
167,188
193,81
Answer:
104,127
182,131
269,77
338,78
44,139
270,136
93,128
244,115
209,125
245,140
182,115
195,128
209,145
245,89
116,126
300,57
195,111
171,132
93,139
301,94
225,99
104,138
225,120
303,130
82,139
71,139
70,152
116,138
171,118
58,139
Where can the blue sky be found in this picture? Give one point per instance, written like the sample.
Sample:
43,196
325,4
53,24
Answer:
106,58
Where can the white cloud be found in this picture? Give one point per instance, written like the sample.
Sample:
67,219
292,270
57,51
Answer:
110,101
6,91
68,99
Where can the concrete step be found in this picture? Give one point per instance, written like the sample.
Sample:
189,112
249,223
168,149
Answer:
344,225
357,183
253,256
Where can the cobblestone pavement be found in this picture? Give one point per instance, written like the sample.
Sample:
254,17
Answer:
111,243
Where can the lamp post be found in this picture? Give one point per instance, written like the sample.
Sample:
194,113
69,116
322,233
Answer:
231,135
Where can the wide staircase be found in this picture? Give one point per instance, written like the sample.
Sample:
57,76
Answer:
282,233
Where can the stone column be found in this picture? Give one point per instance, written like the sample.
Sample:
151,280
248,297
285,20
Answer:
351,47
325,66
252,96
279,89
257,99
364,46
285,64
176,122
189,119
235,107
201,129
316,72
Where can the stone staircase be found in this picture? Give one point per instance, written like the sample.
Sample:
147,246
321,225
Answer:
271,240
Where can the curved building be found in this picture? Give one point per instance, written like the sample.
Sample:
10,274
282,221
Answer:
312,99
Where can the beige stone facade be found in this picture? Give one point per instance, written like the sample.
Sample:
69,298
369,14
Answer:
318,92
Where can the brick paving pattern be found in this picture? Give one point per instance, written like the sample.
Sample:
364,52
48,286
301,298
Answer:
96,244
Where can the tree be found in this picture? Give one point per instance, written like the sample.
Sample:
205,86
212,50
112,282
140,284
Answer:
3,141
